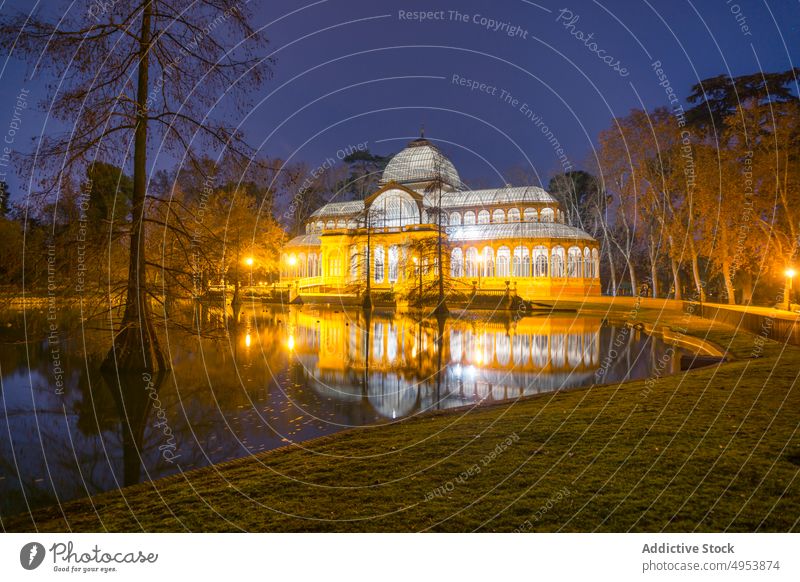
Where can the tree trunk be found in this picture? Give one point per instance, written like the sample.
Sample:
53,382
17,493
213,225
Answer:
747,287
729,289
136,345
698,282
612,269
654,277
653,256
676,279
632,275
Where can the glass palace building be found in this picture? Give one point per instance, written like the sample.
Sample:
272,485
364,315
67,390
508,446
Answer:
510,238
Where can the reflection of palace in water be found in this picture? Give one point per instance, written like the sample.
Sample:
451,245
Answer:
401,366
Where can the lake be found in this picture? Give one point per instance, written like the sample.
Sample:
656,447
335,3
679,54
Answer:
265,377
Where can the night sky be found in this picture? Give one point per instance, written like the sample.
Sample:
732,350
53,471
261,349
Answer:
349,72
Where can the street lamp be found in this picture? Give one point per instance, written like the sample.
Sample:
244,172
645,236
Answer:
787,291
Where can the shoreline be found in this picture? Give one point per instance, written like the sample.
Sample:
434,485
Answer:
325,475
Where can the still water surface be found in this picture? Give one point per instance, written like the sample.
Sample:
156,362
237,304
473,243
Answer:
268,377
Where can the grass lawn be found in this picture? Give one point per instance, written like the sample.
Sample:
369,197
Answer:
709,450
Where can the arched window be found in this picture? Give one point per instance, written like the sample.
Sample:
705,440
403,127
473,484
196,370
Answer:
557,261
457,263
456,351
587,263
498,215
546,215
540,350
522,262
379,263
334,265
487,261
455,219
341,224
469,217
558,350
486,346
472,262
483,217
574,260
540,261
590,348
354,262
521,347
320,226
531,215
330,225
513,215
596,261
502,348
575,349
503,262
394,208
301,265
393,264
377,341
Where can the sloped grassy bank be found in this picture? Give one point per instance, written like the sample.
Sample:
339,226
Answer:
709,450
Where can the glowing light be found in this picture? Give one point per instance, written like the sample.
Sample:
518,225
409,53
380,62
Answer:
249,261
247,340
290,343
415,260
292,260
790,273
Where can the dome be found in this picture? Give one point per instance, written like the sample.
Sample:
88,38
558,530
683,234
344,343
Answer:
419,163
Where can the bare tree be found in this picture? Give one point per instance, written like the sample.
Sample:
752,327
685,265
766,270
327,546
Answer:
134,72
435,188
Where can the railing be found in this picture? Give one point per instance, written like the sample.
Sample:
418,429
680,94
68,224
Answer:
781,327
306,282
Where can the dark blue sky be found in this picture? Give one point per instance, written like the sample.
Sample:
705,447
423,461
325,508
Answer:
349,72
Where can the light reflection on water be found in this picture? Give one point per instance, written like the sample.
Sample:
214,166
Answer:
271,377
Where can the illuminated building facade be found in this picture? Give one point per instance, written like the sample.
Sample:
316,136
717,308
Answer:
510,238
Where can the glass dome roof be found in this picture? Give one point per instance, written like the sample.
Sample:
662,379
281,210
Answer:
518,230
420,161
492,197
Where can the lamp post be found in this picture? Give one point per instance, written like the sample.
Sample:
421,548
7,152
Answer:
787,290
